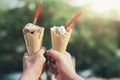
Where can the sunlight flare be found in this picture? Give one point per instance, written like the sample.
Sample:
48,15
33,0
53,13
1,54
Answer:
102,5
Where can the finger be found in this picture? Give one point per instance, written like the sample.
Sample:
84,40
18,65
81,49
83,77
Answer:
26,62
53,71
32,58
39,55
42,51
42,68
53,68
52,60
39,64
52,65
25,58
39,60
54,54
59,76
25,54
68,54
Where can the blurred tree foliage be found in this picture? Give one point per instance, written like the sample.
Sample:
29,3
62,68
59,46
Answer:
93,42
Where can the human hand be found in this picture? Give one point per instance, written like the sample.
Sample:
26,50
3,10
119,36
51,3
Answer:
61,66
33,65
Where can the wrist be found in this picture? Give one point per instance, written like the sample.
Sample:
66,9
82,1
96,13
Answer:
77,77
27,75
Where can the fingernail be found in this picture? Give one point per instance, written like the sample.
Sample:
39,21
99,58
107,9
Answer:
48,51
42,51
44,48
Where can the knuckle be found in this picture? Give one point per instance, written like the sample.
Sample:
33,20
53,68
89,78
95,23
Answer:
60,57
43,58
68,54
24,57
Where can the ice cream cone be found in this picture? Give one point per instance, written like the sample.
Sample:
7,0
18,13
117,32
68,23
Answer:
33,39
59,42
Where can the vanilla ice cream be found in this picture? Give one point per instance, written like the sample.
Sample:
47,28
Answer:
61,30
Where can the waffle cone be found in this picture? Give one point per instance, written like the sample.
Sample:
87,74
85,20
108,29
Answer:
59,42
33,40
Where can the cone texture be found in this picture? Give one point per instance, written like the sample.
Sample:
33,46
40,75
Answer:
59,42
33,40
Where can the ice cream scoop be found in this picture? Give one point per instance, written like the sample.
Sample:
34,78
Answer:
31,27
61,30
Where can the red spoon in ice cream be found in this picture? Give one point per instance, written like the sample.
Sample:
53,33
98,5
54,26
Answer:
37,13
73,20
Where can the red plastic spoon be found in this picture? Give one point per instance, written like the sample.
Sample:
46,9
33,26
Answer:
73,20
37,13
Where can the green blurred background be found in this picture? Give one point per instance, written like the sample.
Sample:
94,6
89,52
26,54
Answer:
95,40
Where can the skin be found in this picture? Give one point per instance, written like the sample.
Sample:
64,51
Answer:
33,65
61,66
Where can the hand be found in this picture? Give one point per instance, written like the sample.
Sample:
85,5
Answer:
61,66
33,65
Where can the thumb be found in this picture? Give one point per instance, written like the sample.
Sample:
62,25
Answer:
39,55
54,54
